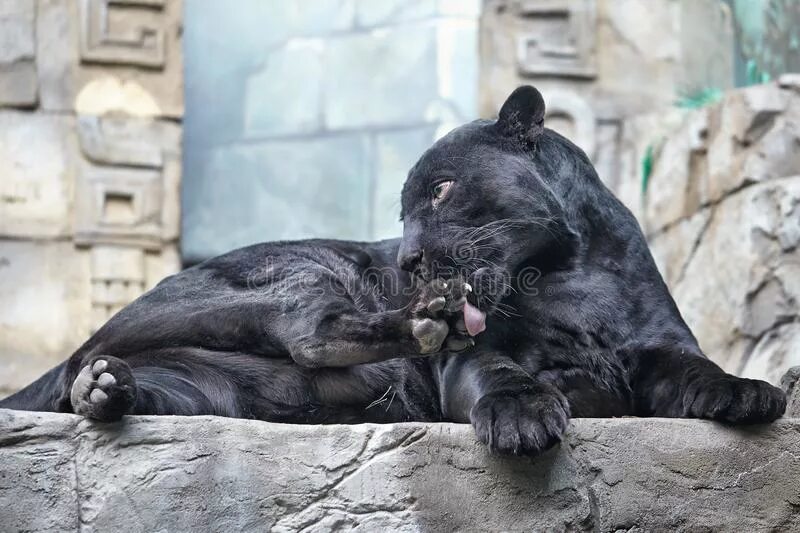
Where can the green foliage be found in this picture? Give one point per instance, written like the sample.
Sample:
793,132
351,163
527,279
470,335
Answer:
647,167
754,75
698,99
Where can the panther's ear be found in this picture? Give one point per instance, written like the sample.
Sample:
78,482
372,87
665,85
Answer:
522,116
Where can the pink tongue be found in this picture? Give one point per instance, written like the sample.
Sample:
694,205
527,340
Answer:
474,319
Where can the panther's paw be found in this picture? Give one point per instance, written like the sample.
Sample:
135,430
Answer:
736,400
522,423
104,390
436,317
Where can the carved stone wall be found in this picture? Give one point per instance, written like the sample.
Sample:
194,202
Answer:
91,101
599,61
721,210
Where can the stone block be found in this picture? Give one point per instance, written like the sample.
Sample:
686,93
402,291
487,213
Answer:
396,67
414,73
46,295
98,56
273,190
185,474
37,165
18,83
129,141
285,94
116,205
395,153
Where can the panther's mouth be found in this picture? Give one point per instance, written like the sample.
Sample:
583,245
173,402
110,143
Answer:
474,318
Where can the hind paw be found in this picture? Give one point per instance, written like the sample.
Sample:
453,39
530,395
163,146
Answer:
104,389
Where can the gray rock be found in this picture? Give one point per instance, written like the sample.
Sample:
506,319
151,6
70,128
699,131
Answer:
789,385
207,473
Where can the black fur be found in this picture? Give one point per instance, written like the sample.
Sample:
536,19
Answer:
579,321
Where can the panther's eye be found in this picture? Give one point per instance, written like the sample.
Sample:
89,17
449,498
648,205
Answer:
440,190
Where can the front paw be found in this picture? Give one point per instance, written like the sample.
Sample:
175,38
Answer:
736,400
436,318
520,423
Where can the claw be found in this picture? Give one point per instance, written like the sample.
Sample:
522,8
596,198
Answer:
437,304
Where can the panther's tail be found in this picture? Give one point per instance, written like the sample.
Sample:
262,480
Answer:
43,394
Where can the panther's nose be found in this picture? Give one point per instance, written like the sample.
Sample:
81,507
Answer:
409,259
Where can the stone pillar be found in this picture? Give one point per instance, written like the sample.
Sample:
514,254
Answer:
599,61
91,102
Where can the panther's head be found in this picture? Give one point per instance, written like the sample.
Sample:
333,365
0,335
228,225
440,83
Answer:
479,205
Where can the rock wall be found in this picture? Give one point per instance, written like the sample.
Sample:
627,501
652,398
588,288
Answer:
91,102
61,473
721,208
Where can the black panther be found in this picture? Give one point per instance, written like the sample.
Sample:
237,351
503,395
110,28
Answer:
521,293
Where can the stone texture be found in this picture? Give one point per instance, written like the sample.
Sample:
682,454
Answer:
722,213
90,162
18,81
598,62
37,166
789,385
45,316
184,474
74,52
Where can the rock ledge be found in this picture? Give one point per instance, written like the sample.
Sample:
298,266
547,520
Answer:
59,472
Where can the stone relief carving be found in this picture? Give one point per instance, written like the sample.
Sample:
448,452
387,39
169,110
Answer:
559,39
119,206
128,43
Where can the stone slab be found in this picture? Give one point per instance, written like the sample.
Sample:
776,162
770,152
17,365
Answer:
185,474
38,167
18,81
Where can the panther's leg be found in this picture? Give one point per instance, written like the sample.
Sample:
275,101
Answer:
190,381
511,411
334,332
681,382
107,388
